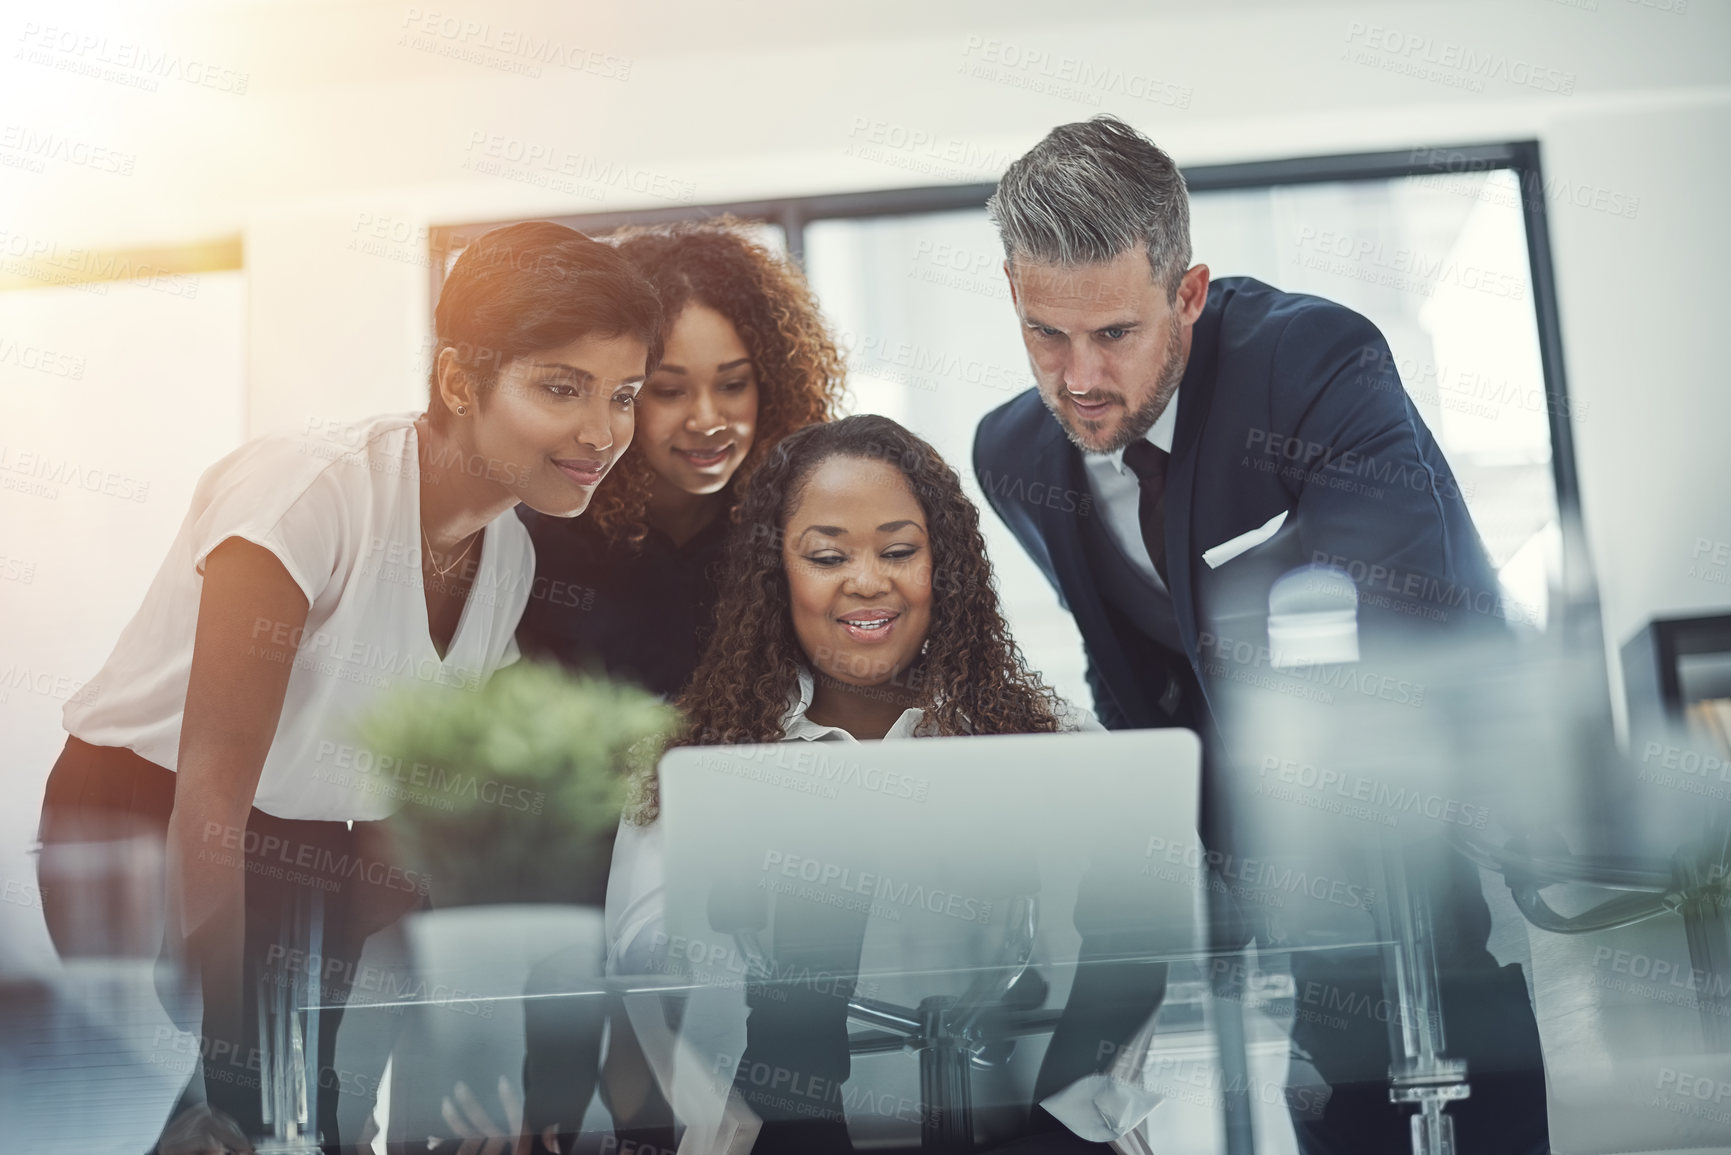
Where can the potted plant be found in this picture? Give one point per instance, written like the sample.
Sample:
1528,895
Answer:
511,792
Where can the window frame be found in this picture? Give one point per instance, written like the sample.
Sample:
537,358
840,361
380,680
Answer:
1579,589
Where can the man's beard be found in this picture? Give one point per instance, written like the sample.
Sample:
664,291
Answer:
1137,423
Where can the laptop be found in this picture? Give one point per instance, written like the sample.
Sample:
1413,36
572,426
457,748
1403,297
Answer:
928,858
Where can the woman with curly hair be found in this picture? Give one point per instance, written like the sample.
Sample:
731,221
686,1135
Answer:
857,605
747,361
891,629
629,589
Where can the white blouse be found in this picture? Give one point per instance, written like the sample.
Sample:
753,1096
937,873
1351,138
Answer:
340,507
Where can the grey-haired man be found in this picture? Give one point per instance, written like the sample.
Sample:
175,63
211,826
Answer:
1173,399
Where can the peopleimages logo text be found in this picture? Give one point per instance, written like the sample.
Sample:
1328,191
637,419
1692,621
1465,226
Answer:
880,888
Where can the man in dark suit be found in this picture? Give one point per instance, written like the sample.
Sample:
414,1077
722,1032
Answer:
1202,439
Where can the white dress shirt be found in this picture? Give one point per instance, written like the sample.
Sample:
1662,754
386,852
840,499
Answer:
1118,492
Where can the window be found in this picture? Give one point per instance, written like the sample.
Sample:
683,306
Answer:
1445,250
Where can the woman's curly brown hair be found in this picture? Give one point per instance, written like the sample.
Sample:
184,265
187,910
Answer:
801,375
969,679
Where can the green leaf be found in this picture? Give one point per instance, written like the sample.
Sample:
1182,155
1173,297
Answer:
510,792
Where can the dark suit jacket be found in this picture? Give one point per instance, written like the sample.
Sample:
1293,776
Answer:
1289,403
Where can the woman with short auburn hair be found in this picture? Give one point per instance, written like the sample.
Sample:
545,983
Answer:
314,572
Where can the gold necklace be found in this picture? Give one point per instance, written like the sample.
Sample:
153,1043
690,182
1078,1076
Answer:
441,574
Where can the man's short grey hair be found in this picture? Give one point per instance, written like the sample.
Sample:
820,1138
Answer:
1090,192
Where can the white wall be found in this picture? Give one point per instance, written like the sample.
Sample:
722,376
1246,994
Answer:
1643,312
113,399
338,315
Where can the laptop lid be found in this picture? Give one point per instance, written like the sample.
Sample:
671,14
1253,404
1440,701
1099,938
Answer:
930,838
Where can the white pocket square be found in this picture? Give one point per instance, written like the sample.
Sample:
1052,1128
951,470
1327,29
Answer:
1227,550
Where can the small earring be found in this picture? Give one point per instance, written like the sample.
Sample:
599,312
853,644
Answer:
461,410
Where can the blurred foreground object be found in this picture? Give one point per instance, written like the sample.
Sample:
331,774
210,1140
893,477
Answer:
511,789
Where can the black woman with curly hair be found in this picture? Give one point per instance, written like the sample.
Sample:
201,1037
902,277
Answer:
748,360
857,604
894,623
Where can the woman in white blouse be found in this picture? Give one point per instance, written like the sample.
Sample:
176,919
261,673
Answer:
858,604
313,572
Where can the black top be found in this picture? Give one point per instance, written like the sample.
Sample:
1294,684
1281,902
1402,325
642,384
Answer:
637,615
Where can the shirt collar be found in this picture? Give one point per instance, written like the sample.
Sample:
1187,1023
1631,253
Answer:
1160,435
796,726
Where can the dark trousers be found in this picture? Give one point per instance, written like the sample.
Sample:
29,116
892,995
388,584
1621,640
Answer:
796,1047
796,1053
315,891
563,1065
1343,1013
1346,1020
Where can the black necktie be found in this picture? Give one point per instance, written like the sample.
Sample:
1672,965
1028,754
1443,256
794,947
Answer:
1148,462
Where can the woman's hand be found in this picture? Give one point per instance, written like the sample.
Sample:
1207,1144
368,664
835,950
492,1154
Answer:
202,1130
251,615
469,1121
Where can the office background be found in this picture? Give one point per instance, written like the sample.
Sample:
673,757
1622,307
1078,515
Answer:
217,221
